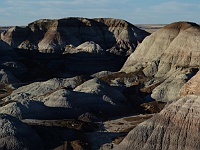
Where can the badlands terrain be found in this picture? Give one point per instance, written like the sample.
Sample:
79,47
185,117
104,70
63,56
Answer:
102,83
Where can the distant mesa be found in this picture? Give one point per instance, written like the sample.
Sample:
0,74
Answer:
181,25
84,43
52,36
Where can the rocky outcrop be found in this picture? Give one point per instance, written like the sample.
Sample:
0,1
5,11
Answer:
168,44
79,45
51,36
175,127
98,97
191,87
170,55
102,74
61,98
8,78
17,135
87,47
38,90
94,96
30,109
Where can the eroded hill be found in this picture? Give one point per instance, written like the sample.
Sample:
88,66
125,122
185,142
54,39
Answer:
70,84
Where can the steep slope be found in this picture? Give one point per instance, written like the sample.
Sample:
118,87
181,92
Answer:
17,135
170,55
7,78
50,36
98,97
168,44
175,127
82,46
61,98
191,87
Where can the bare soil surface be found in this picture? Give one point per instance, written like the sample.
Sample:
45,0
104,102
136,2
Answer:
73,134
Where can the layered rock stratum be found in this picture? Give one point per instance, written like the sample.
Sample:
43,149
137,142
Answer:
50,36
84,42
60,80
170,56
175,127
192,86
